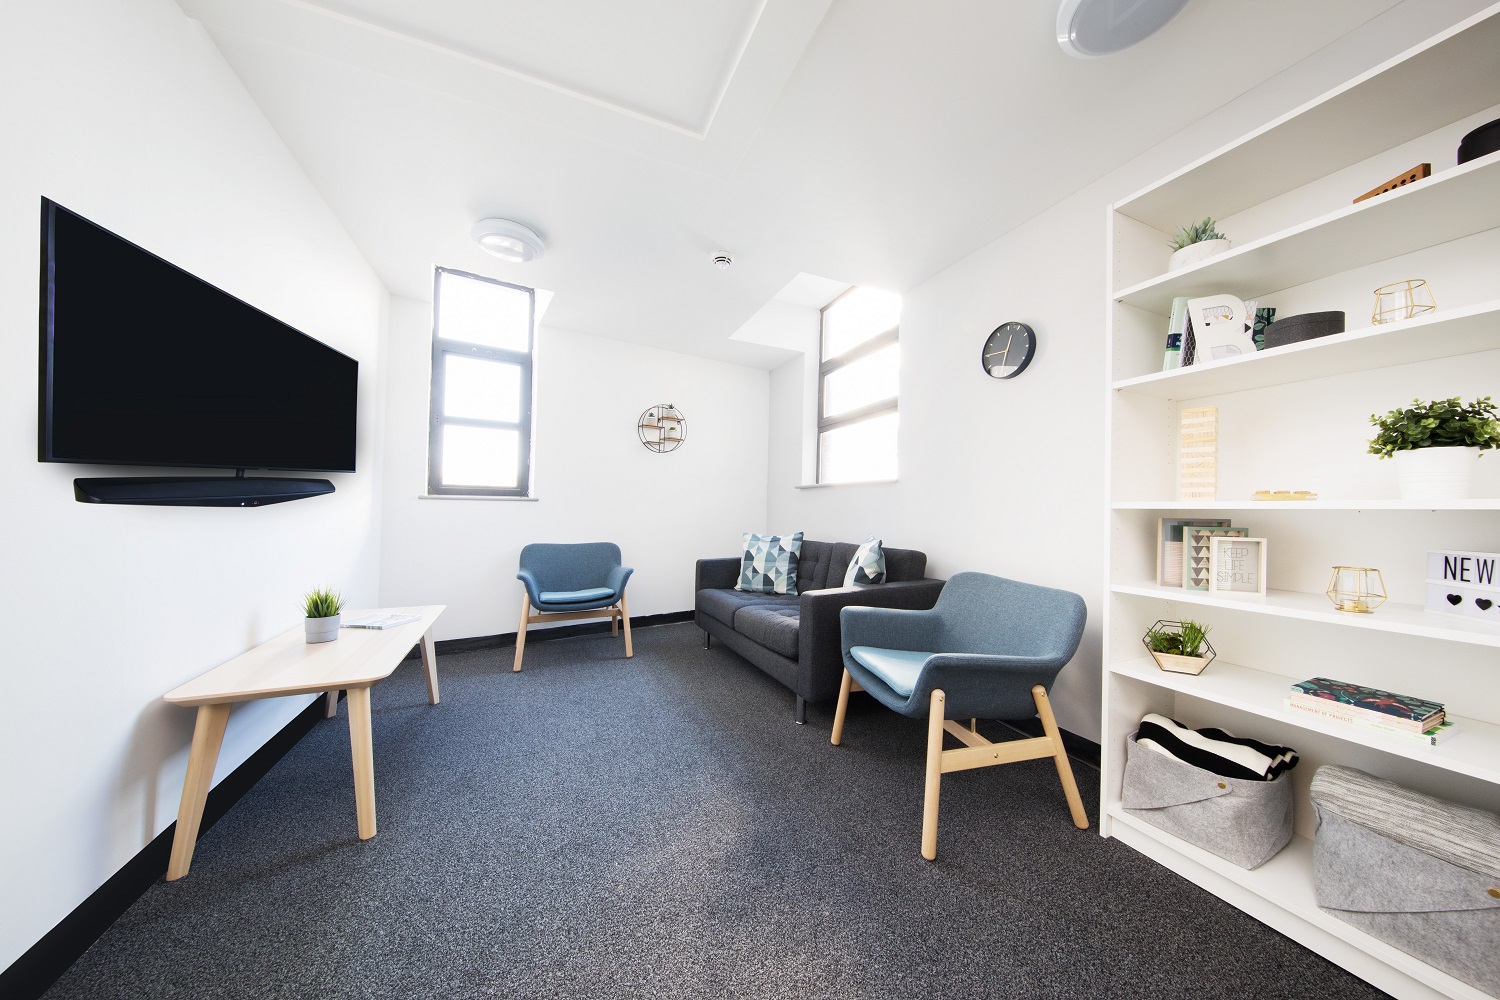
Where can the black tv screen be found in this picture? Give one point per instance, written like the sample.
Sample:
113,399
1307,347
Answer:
144,364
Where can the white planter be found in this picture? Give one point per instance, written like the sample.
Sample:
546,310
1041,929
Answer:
1195,252
322,629
1435,473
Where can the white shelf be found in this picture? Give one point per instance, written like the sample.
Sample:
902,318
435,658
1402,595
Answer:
1445,334
1403,619
1446,206
1473,748
1379,110
1287,882
1188,506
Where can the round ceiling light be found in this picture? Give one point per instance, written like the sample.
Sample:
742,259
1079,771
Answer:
508,240
1088,29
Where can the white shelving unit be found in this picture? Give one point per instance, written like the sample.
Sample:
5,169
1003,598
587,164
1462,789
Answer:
1297,418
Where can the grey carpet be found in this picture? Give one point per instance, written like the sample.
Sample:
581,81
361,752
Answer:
601,827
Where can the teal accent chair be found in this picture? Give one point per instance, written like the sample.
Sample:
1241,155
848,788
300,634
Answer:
989,649
569,582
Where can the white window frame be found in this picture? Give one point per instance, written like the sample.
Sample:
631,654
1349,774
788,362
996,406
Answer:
525,360
879,408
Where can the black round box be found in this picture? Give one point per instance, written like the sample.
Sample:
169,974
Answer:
1483,140
1307,326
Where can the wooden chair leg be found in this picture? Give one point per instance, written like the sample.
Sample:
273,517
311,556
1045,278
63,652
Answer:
521,632
1060,756
625,617
934,774
843,709
332,708
614,625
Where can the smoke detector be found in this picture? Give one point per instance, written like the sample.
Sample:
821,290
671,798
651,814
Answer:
508,240
1088,29
722,260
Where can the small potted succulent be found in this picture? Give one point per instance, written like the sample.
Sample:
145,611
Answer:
1195,242
322,608
1179,647
1435,445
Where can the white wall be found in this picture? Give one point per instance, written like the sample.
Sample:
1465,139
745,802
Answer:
124,112
593,479
1007,477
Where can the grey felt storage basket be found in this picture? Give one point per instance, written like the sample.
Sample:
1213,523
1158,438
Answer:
1420,874
1243,822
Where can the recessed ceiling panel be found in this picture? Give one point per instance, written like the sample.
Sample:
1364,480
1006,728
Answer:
670,60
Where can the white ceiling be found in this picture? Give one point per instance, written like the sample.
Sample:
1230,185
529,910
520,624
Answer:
868,141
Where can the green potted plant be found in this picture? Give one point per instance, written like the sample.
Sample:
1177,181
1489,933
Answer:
1179,647
1195,242
322,609
1435,445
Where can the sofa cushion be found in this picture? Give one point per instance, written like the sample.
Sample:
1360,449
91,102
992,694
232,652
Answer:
867,565
772,626
723,604
768,563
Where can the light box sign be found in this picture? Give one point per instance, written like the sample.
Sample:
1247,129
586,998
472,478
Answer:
1464,584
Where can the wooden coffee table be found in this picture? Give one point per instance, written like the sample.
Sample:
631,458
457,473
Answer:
289,665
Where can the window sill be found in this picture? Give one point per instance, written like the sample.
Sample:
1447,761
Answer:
862,482
460,496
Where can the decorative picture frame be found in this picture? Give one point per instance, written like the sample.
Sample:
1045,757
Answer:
1196,571
1169,545
1237,566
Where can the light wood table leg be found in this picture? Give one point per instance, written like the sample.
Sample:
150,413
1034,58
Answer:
208,736
362,748
333,705
521,631
429,664
934,774
625,617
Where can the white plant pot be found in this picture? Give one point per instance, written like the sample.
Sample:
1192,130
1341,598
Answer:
1436,473
1195,252
322,629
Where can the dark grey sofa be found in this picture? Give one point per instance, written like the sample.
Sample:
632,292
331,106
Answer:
795,639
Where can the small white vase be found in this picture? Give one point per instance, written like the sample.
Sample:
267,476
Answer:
322,629
1436,473
1195,252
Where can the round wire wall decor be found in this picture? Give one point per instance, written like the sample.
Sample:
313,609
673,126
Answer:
662,428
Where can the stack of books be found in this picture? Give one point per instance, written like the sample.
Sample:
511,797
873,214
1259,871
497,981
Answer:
1397,715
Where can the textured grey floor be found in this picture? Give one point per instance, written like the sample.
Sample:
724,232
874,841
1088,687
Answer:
602,827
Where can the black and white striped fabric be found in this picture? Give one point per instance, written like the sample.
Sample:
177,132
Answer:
1214,750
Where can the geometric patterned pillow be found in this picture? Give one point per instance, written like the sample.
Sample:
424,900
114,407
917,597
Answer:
868,564
768,564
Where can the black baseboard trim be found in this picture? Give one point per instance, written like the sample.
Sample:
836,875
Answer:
1080,748
33,973
505,639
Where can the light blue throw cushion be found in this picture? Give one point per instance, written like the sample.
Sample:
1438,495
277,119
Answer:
575,596
768,563
868,564
897,667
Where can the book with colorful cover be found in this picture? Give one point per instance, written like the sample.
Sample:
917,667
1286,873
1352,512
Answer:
1299,700
1398,706
1369,722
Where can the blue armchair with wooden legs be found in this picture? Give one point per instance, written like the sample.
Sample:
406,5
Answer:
566,582
989,649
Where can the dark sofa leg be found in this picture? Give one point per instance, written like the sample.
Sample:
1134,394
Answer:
708,640
800,716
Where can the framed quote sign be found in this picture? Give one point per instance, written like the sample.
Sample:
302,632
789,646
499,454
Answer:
1237,566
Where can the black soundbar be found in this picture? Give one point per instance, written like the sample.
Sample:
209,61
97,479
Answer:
216,491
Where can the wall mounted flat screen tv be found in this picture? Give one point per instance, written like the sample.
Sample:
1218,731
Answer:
144,364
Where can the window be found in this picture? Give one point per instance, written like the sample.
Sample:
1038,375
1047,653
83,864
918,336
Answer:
479,440
858,376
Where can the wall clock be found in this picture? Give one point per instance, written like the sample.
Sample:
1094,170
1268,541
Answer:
1008,350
